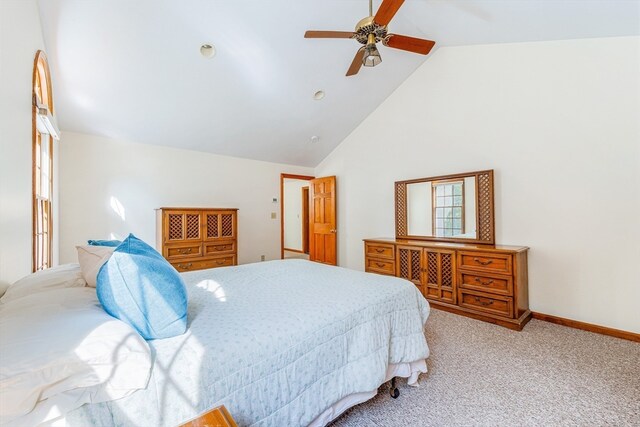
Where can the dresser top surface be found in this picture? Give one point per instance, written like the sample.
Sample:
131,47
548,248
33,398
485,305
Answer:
432,244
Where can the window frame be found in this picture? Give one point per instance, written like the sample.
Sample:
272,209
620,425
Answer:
42,207
434,205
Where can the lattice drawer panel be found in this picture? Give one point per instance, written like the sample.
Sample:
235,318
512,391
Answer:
175,227
227,225
212,226
432,267
193,226
415,265
404,263
447,269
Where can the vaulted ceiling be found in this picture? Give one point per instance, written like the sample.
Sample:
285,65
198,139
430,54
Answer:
133,70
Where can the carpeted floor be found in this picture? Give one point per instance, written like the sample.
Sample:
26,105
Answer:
484,375
295,255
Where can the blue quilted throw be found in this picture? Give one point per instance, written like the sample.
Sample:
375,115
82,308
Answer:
138,286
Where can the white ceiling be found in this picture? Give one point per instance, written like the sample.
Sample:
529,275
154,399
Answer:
132,69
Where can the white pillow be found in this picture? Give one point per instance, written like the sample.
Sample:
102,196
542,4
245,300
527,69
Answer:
91,258
62,343
63,276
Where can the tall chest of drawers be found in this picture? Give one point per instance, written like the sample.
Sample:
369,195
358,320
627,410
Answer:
486,282
197,238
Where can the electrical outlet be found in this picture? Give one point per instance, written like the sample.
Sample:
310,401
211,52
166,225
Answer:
273,215
261,257
274,200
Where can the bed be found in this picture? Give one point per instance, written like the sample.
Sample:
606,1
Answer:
279,343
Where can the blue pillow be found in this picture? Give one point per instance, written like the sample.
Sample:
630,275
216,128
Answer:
110,243
138,286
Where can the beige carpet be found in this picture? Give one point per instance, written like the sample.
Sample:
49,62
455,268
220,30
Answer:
295,255
485,375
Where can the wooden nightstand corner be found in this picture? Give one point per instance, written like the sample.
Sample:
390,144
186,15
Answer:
217,417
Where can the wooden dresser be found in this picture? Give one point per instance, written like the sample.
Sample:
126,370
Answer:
486,282
197,238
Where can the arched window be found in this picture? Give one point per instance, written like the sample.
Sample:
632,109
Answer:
44,131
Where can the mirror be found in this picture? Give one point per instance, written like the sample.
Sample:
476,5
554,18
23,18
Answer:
455,208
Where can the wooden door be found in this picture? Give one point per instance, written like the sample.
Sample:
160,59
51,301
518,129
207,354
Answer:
182,226
305,220
439,275
220,225
409,266
322,220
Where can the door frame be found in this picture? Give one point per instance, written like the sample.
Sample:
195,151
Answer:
305,215
284,176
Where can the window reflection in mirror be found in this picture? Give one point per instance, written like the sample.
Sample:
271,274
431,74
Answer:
442,208
448,198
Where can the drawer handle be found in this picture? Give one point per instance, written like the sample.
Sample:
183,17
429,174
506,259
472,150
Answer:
185,266
379,250
221,248
380,264
185,251
220,262
487,283
481,262
483,302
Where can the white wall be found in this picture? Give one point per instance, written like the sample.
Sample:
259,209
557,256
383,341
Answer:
560,124
110,187
20,39
293,212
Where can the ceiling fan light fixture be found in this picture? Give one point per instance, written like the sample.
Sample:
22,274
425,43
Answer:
371,56
371,30
208,50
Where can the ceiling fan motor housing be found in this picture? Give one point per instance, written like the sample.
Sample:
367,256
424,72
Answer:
366,26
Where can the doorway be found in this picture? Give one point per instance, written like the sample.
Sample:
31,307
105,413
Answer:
294,216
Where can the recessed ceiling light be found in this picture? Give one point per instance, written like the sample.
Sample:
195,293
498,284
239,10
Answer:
314,139
318,95
207,50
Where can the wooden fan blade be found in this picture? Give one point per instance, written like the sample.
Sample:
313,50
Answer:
411,44
328,34
386,11
357,63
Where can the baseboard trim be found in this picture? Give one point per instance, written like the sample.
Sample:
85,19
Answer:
625,335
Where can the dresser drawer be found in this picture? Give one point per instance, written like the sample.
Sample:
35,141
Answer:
487,303
182,250
380,250
187,265
381,266
219,248
484,282
483,261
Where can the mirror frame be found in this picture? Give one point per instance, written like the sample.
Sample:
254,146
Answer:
485,212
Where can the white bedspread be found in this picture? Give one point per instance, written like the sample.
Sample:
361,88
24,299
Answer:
277,343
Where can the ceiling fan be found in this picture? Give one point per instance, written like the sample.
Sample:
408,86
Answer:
371,30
